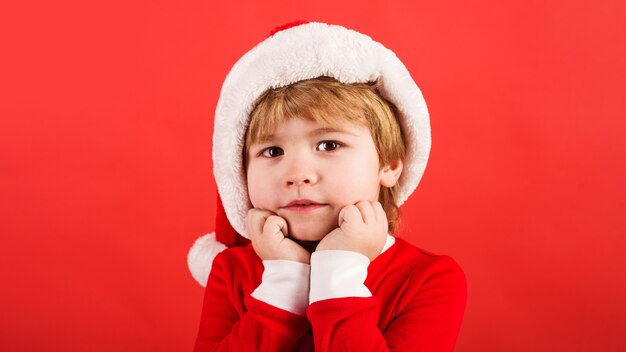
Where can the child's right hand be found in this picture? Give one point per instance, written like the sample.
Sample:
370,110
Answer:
268,233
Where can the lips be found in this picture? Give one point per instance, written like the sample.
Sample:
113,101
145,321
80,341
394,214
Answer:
303,205
302,202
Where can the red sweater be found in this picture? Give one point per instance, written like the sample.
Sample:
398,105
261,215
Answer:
417,304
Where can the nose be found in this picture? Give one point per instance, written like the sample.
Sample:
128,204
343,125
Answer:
300,172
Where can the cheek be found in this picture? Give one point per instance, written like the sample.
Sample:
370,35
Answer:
354,182
256,187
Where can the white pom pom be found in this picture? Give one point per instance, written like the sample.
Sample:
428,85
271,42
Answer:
201,255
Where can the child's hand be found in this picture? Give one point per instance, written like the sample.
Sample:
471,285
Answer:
362,228
267,232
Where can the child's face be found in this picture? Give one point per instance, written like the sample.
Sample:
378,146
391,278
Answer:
306,162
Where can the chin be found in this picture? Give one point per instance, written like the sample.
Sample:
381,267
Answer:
309,228
307,235
308,232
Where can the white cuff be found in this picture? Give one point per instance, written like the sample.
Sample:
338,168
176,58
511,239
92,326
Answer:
285,284
388,243
337,273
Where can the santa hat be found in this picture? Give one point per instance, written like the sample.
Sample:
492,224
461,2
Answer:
292,53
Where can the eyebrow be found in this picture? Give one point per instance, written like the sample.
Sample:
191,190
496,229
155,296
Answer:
316,132
323,130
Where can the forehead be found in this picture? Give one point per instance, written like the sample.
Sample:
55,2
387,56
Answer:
304,128
319,124
329,103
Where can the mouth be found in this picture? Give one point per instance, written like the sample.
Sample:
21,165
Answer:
303,205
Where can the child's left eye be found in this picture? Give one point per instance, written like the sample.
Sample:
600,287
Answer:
328,145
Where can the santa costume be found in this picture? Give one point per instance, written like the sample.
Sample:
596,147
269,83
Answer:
405,299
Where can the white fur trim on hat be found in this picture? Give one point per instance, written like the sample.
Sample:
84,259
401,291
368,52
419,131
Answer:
304,52
201,255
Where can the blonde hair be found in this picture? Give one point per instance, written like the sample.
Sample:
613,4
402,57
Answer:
323,100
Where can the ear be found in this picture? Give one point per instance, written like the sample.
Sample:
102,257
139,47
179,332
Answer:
390,174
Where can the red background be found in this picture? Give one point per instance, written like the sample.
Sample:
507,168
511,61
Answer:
105,170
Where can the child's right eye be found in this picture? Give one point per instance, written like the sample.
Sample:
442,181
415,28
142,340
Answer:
272,152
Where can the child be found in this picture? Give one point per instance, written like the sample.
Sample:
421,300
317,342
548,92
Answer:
320,135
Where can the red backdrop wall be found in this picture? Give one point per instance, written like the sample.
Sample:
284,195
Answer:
105,169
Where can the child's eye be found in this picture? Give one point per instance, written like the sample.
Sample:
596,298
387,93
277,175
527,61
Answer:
328,146
272,152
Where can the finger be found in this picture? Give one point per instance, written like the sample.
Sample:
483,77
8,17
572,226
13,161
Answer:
367,211
381,216
275,225
350,214
282,223
256,219
379,211
250,226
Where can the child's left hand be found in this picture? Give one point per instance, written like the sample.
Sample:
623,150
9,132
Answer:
362,229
